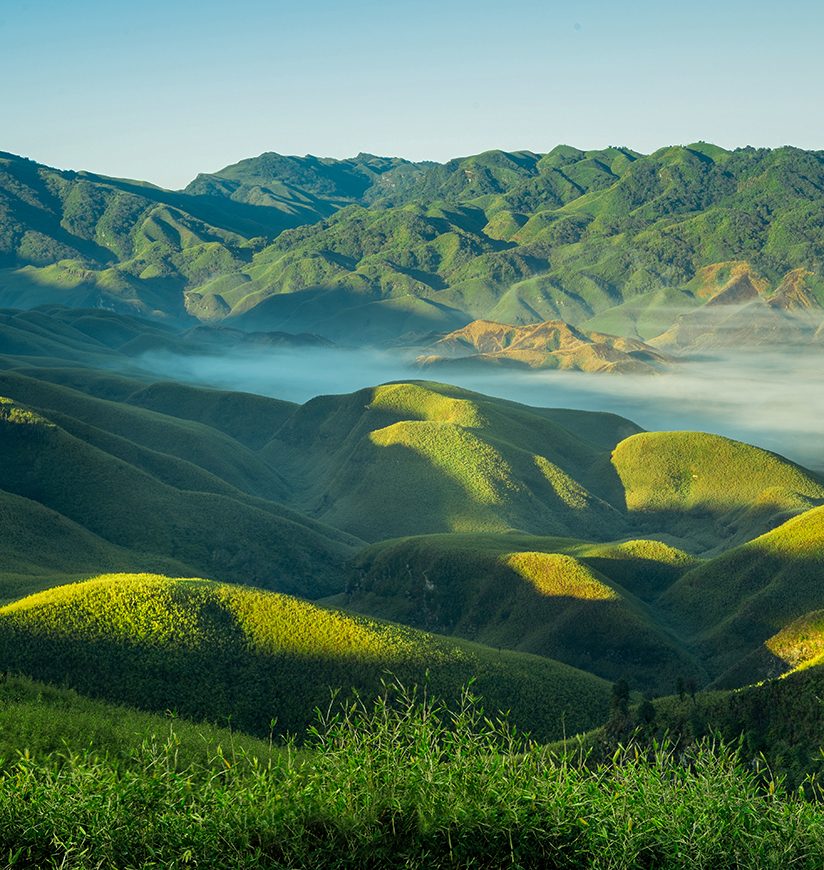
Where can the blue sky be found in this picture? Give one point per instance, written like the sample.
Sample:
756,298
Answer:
163,90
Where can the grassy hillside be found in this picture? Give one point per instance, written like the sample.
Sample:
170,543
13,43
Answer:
422,457
753,600
127,497
47,722
555,597
563,534
217,651
39,547
705,486
400,783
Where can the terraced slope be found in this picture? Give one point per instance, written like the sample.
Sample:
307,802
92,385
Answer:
215,651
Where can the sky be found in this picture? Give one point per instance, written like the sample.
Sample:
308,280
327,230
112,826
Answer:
163,89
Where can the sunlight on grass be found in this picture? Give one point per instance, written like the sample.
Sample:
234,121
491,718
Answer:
554,574
472,463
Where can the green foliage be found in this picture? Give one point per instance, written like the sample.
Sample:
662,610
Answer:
777,723
48,723
406,782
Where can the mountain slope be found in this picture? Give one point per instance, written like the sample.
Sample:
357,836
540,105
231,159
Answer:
115,499
753,600
215,651
421,457
550,345
611,241
706,487
555,597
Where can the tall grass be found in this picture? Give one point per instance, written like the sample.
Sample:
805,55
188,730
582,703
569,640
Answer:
404,782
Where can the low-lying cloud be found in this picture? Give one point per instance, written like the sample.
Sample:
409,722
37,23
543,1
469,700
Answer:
773,399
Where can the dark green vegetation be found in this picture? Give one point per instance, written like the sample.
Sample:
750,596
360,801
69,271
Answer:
410,784
591,605
372,248
563,534
777,722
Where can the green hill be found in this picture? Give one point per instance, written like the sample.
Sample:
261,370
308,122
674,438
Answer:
39,547
568,535
753,600
81,239
413,458
215,651
159,508
706,487
559,598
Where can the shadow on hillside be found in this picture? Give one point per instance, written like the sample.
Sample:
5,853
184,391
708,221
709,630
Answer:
711,529
393,490
219,211
20,289
223,680
482,599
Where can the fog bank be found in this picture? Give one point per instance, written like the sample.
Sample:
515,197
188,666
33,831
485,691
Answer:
773,399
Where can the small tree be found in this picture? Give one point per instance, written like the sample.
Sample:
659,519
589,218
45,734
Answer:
646,713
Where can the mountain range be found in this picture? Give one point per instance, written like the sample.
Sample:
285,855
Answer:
372,249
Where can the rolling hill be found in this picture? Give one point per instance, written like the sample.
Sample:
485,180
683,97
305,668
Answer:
704,487
218,652
103,489
528,539
413,458
555,597
751,610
